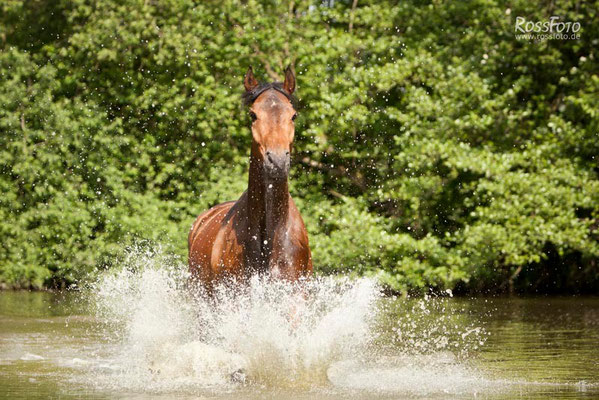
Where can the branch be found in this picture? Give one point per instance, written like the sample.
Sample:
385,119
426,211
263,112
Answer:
351,15
337,171
510,281
271,73
286,45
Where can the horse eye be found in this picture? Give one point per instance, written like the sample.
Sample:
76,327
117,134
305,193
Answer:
253,116
294,117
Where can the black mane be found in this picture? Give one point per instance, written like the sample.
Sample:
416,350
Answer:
250,96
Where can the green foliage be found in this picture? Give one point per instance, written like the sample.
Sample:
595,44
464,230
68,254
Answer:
434,148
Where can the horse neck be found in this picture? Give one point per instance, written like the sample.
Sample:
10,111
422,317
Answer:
268,201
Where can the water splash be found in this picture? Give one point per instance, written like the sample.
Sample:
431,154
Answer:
324,333
432,324
271,333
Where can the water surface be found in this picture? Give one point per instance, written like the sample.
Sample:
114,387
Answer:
150,344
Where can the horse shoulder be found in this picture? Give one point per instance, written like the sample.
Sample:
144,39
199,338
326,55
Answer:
207,218
299,237
201,239
296,222
227,252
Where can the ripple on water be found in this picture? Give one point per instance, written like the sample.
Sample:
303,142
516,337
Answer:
336,338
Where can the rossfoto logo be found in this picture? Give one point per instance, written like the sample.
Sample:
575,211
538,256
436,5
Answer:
546,30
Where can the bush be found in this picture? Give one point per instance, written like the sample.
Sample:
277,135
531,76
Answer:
434,148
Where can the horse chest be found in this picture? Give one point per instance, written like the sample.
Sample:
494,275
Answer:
271,249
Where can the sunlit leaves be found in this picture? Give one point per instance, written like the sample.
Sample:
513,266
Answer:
433,147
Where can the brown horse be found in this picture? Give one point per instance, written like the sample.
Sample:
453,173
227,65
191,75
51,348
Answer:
262,232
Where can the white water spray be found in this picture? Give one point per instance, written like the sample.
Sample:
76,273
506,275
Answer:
270,333
324,333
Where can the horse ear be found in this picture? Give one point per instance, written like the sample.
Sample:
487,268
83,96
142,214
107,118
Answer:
289,84
249,81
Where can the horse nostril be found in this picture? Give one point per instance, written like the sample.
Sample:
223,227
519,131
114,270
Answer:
286,153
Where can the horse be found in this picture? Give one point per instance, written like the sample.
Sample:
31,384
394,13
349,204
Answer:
262,233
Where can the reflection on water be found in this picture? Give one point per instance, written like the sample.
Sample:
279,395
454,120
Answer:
140,334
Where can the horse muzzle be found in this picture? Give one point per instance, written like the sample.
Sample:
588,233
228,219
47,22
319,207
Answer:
276,164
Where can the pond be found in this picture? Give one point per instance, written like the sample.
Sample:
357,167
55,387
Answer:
138,337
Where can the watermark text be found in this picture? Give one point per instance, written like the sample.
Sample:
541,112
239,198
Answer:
546,30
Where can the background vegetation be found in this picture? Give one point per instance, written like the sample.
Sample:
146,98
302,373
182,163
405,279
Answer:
434,148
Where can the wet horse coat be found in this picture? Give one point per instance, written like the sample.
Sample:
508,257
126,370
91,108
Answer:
262,232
